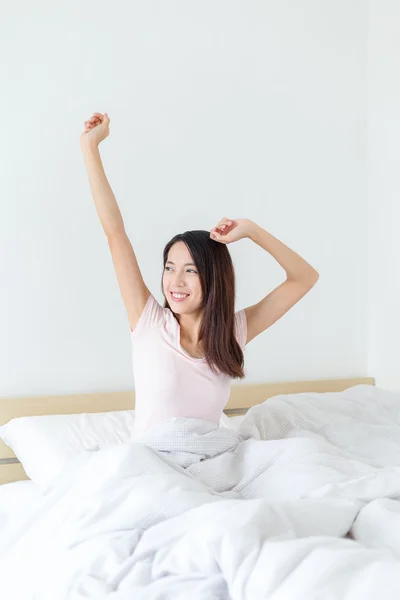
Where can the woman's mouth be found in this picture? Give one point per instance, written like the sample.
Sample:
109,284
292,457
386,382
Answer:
178,297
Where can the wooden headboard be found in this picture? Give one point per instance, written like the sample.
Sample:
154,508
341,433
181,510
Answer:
243,397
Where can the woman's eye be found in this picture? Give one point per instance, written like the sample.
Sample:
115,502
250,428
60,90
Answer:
189,270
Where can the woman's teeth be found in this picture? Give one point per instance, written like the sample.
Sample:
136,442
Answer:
179,296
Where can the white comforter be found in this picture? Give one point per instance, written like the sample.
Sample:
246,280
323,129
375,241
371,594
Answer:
303,502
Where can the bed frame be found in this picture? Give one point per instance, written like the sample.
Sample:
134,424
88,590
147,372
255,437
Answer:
243,397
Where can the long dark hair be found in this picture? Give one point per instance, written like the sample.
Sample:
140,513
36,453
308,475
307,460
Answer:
217,276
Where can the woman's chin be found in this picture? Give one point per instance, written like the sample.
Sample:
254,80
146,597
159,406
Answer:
178,309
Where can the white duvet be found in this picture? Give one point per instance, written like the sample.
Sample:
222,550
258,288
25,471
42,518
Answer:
303,502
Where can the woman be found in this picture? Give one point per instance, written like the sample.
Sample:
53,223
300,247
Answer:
186,353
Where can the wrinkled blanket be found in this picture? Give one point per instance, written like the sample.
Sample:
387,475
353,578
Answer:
303,501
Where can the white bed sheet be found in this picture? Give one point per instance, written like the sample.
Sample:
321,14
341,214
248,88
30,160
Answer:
302,503
15,497
20,495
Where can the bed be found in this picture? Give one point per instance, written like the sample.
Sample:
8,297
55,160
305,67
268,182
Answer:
18,491
242,398
301,499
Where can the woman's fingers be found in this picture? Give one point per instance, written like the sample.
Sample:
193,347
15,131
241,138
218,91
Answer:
218,231
222,229
224,224
94,120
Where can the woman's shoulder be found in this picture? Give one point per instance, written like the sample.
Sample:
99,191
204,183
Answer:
153,315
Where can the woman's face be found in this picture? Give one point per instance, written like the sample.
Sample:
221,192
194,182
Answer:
181,281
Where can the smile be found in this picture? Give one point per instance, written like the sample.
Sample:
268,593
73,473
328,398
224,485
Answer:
177,297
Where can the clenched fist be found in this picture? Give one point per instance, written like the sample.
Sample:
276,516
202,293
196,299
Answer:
96,130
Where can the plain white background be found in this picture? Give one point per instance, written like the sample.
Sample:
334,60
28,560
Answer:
271,111
383,92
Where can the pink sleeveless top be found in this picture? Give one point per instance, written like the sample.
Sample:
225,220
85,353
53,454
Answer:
168,381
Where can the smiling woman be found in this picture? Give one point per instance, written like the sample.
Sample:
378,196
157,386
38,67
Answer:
180,276
198,284
180,253
196,341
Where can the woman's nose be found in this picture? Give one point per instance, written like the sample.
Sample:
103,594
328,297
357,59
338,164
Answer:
179,280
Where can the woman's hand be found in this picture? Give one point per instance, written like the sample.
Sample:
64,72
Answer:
96,129
229,230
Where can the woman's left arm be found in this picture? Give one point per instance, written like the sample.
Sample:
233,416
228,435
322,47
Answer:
300,276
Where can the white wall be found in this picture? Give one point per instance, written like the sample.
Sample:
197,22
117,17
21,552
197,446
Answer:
384,191
227,108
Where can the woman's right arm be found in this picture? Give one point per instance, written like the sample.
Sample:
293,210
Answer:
133,289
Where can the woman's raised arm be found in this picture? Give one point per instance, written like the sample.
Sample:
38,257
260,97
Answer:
133,289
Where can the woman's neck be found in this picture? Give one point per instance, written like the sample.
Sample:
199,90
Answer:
190,327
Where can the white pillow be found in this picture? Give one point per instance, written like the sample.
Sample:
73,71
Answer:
45,444
225,421
231,422
236,421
